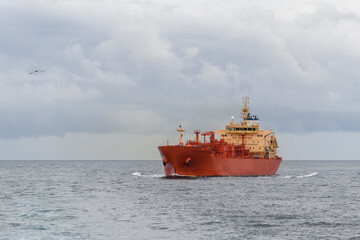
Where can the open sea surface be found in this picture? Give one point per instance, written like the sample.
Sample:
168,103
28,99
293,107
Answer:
133,200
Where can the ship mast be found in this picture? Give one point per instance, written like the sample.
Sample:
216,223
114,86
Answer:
180,130
245,110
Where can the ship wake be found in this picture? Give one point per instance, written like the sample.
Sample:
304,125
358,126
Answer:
139,174
174,176
313,174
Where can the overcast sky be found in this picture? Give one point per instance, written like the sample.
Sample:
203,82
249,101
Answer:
121,75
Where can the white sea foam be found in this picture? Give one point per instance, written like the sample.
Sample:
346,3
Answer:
311,174
302,176
139,174
286,177
155,175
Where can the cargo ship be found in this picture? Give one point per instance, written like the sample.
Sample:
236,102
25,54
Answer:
241,149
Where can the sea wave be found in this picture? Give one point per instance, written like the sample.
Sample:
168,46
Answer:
139,174
313,174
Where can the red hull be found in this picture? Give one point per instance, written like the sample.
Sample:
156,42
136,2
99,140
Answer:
196,161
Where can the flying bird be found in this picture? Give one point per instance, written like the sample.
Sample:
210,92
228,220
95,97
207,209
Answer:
35,71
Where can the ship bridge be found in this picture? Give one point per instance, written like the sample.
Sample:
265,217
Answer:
239,128
247,132
249,124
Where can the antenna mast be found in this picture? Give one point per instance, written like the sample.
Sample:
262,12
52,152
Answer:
245,110
180,130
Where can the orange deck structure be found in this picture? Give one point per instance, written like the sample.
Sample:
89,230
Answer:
242,150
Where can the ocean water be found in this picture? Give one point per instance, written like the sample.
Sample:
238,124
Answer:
133,200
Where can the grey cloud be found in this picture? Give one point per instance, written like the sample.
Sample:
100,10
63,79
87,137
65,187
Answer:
55,119
143,68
